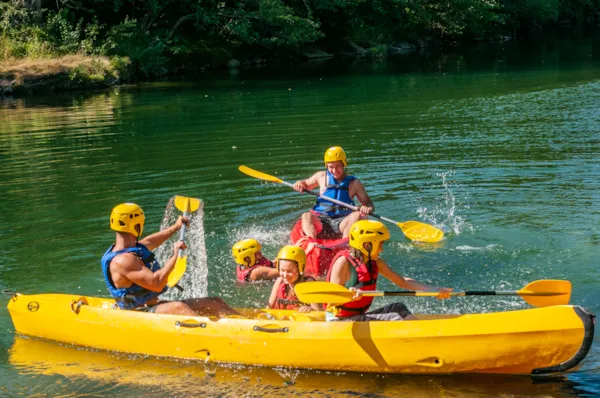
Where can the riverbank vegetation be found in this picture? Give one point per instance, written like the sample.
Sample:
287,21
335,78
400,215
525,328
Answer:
121,39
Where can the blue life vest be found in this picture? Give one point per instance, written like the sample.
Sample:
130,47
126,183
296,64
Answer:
337,191
135,295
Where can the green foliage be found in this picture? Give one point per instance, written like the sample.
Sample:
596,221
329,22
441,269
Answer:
146,54
154,35
92,73
63,32
268,23
581,12
532,13
457,18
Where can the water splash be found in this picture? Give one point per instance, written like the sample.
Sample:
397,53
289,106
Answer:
288,375
467,248
195,280
446,215
266,235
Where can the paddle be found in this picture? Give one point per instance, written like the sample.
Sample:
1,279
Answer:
413,230
186,205
542,293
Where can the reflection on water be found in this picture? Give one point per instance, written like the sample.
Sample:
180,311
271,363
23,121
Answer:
70,370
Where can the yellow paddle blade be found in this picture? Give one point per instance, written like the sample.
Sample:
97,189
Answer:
545,293
420,232
323,292
257,174
181,202
178,271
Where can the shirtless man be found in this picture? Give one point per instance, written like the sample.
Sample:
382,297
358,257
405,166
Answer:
327,219
133,276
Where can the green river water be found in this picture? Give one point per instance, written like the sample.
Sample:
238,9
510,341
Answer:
498,145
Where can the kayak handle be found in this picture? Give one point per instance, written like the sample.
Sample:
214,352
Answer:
267,330
76,304
185,324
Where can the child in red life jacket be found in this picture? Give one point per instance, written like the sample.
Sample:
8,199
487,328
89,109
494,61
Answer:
252,265
290,263
358,269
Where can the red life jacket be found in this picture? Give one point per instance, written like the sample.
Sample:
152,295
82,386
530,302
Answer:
286,296
367,280
243,274
319,259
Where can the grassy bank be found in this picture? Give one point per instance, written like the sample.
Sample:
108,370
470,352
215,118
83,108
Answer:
61,73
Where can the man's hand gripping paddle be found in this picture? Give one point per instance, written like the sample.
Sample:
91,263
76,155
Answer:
187,206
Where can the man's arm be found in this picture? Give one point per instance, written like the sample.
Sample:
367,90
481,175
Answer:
310,183
127,266
358,190
158,238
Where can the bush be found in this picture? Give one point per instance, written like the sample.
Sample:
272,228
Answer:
145,54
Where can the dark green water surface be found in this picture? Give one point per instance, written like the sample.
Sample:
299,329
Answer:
498,145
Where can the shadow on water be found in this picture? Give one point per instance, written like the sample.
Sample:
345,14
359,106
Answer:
43,367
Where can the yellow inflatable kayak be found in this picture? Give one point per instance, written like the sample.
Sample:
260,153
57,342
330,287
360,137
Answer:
532,341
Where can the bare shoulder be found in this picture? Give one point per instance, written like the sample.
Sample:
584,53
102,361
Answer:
319,174
320,177
355,184
341,263
127,262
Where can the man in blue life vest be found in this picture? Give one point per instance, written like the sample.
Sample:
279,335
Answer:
133,275
327,219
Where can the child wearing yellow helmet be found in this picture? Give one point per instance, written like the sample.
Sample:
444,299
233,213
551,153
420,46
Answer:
291,261
325,219
358,268
252,265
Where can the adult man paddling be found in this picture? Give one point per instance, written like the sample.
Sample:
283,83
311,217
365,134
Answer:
358,269
133,275
327,219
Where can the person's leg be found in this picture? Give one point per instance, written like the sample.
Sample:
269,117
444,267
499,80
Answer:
346,223
208,306
311,225
174,308
390,312
395,308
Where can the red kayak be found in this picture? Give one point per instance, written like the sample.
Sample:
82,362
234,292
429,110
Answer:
319,259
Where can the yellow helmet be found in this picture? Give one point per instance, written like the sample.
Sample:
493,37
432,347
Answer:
292,253
370,231
128,217
246,248
334,154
